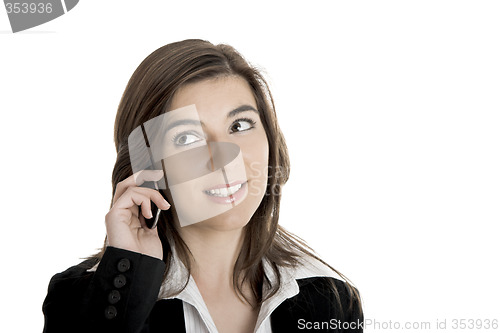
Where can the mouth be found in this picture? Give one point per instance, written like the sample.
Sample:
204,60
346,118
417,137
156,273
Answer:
226,193
224,190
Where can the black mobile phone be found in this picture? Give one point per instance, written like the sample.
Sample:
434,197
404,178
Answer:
153,222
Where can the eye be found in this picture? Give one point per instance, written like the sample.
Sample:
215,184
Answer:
242,124
186,138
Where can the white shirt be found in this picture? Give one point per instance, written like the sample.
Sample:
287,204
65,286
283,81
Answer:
196,314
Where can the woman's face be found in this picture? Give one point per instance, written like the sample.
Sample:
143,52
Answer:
228,113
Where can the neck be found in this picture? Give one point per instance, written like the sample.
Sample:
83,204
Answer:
214,254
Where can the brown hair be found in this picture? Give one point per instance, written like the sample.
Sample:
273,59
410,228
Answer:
148,94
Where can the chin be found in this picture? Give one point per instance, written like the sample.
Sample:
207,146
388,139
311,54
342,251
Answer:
233,219
226,221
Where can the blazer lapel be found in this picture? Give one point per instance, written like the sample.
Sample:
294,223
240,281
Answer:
167,313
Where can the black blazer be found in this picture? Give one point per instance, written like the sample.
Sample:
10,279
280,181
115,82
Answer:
121,296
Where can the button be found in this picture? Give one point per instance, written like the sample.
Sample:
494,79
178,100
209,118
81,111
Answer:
119,281
123,265
114,296
110,312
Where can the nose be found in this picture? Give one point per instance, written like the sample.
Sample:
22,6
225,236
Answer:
199,161
221,154
219,149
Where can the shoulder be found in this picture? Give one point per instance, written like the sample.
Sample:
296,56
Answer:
77,270
319,281
72,274
321,299
68,287
324,294
65,291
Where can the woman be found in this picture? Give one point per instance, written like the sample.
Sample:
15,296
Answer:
235,271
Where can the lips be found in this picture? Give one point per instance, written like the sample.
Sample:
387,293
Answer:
226,193
225,185
223,191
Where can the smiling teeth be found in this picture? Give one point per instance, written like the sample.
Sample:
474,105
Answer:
224,192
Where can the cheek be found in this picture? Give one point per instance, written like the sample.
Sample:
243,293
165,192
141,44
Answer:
257,174
255,152
256,160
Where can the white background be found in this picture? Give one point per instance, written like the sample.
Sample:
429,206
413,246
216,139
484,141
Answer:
391,112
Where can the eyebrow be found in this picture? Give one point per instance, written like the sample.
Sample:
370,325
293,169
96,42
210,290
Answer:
231,114
240,109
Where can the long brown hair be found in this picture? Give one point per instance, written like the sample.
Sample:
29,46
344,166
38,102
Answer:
149,93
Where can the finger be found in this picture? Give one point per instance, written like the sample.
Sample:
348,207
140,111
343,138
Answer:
135,222
127,206
137,196
141,224
124,216
135,211
142,220
149,192
154,196
132,198
137,179
145,206
159,200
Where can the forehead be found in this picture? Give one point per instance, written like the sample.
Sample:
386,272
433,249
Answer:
222,93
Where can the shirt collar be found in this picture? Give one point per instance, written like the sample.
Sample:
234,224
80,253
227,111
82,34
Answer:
177,276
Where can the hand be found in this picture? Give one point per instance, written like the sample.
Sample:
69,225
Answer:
125,228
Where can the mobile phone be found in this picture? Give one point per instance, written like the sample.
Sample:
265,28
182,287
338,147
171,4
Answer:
153,222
